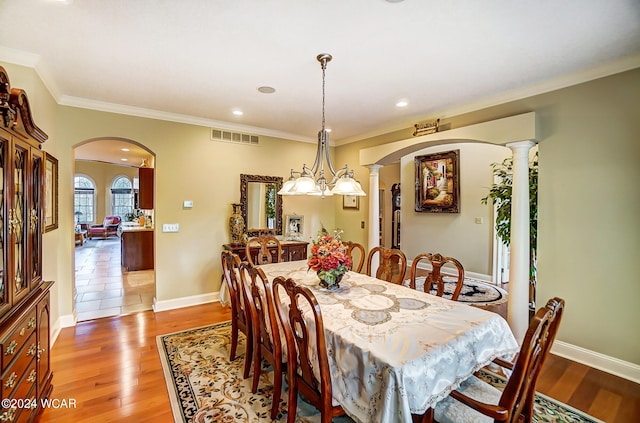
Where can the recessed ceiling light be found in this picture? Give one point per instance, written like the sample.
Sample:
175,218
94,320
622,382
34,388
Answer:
266,90
124,149
238,112
124,160
402,103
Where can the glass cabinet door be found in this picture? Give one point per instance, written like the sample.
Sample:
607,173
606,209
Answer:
36,201
19,219
4,229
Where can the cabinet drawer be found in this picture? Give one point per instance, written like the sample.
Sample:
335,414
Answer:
297,253
26,393
16,337
15,372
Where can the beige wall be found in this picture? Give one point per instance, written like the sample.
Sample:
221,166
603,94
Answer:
103,175
588,202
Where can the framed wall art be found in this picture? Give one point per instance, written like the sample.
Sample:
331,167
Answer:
350,202
294,228
438,182
50,193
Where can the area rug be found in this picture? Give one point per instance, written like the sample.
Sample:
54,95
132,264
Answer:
204,386
474,291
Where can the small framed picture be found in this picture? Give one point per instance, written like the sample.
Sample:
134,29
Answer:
350,202
295,225
51,193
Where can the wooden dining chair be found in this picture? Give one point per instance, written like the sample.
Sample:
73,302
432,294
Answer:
557,305
393,264
264,254
303,328
435,276
477,401
240,320
267,343
361,255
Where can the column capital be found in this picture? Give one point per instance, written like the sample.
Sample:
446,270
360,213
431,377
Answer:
521,144
373,168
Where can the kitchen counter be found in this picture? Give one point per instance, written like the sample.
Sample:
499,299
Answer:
136,248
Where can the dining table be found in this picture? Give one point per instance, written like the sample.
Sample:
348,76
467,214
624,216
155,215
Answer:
395,351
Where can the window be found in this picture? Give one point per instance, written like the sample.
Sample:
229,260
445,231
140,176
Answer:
84,199
121,196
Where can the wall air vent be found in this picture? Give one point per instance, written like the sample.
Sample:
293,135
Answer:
236,137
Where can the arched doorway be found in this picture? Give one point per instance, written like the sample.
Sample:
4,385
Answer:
102,287
518,133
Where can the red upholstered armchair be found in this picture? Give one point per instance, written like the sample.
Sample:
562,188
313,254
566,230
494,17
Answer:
109,227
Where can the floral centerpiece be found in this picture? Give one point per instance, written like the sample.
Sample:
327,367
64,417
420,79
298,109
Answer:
329,259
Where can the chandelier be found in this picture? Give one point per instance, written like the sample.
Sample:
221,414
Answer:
315,180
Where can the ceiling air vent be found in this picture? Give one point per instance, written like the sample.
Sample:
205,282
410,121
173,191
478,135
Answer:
237,137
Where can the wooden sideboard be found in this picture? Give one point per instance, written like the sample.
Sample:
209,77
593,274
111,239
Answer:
291,250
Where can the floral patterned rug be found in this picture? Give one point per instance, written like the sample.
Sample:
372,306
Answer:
204,386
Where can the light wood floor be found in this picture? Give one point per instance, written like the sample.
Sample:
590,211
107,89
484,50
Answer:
111,369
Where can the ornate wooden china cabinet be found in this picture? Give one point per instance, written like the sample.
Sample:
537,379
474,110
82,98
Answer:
24,297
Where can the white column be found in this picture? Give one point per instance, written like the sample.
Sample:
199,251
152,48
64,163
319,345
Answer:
518,306
374,213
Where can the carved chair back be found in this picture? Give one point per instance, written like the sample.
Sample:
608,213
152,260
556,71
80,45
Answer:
361,255
435,276
266,330
307,372
240,320
392,267
264,255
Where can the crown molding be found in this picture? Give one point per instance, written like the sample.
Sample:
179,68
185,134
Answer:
101,106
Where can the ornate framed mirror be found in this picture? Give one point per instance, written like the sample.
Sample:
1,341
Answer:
260,203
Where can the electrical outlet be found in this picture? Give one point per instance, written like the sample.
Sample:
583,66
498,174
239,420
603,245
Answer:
170,227
362,224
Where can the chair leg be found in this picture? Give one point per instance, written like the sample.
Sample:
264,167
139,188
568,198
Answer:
292,406
257,368
234,340
248,355
277,389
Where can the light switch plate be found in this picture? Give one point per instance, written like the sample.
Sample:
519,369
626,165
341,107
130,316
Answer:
170,227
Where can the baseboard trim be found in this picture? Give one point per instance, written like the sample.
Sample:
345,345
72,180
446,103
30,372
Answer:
185,301
67,321
615,366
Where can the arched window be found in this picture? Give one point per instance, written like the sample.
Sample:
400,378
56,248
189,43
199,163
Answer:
121,196
84,199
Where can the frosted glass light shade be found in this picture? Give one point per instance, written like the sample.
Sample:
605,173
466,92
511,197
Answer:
304,185
348,186
286,187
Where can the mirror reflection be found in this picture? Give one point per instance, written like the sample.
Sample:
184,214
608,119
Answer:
261,205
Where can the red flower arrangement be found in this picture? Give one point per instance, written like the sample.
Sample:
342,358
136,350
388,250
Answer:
329,258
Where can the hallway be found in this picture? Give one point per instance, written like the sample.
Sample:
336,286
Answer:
102,288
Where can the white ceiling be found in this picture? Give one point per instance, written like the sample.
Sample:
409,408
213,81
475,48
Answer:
196,61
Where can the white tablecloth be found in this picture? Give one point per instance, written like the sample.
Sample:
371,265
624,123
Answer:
394,351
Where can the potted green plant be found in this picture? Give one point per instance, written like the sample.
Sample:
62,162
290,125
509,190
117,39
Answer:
500,197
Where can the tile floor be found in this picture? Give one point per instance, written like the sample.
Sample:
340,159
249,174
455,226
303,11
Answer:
102,288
